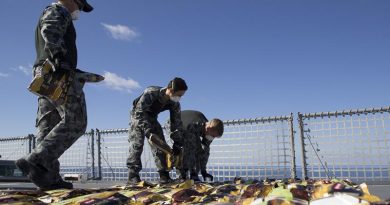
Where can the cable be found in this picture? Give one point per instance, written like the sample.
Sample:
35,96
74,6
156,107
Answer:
112,171
319,159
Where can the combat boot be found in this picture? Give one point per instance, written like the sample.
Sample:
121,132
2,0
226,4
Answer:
195,177
164,177
182,175
133,178
36,173
61,184
23,166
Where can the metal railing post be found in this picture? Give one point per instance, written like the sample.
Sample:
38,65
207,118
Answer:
99,150
293,164
31,143
93,152
34,141
302,133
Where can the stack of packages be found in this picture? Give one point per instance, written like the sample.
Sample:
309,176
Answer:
237,192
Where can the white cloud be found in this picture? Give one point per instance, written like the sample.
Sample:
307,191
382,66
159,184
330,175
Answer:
121,32
24,69
4,75
116,82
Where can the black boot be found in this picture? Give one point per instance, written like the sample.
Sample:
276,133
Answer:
182,175
23,166
194,176
164,177
133,178
61,184
36,173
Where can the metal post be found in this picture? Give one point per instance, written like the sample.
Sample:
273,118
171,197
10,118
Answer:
93,152
30,143
99,155
293,164
34,139
302,130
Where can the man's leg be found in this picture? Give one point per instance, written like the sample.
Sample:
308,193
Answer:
136,140
191,147
72,125
189,158
47,118
195,170
159,156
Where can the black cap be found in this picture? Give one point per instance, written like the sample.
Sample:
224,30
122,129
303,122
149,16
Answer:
86,7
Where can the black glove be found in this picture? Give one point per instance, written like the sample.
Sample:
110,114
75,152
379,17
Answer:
56,61
59,64
148,133
206,176
176,149
177,138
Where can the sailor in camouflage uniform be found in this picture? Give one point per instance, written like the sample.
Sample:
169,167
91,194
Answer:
144,123
59,125
198,135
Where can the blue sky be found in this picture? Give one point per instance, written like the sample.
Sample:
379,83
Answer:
241,59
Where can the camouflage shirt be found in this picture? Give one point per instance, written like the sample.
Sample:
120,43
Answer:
153,101
195,122
198,129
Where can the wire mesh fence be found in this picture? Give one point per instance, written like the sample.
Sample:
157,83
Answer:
13,148
114,152
254,149
78,158
351,144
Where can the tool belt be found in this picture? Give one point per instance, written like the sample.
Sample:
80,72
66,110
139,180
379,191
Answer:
51,83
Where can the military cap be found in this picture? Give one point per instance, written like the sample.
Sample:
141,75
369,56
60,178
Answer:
86,6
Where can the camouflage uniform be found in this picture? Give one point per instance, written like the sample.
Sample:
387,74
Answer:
59,126
144,122
196,148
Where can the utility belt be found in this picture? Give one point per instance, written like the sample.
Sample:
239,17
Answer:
54,84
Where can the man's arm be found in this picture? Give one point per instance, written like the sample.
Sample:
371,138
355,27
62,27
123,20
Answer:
143,107
204,156
176,125
203,170
54,24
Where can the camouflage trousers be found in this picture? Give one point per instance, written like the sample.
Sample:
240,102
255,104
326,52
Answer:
190,150
195,155
59,126
137,139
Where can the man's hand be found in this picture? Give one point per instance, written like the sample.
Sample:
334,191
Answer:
151,135
177,137
206,176
148,133
59,65
176,149
55,61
